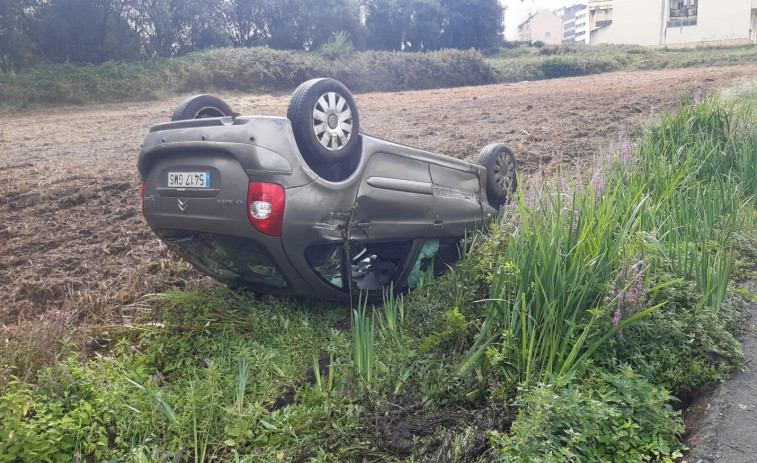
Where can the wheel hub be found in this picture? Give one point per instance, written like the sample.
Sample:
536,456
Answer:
333,121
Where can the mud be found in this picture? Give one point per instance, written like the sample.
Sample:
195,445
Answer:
72,237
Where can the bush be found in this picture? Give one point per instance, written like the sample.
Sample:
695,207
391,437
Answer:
607,417
338,46
516,61
678,348
559,67
255,70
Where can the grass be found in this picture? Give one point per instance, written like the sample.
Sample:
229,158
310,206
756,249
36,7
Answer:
586,306
259,70
528,63
255,70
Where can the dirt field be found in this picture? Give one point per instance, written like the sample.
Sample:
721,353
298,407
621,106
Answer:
72,237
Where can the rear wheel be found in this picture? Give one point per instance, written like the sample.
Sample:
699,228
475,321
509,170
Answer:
325,121
499,161
200,107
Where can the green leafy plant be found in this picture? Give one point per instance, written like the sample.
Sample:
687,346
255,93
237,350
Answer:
605,417
338,46
363,342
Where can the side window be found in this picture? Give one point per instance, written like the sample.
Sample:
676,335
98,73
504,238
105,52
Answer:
375,265
326,260
371,266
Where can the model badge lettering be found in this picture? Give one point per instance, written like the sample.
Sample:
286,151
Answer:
230,202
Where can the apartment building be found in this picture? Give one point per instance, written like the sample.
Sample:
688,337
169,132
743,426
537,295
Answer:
600,14
544,26
680,23
575,23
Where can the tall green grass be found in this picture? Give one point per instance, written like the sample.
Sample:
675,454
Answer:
584,262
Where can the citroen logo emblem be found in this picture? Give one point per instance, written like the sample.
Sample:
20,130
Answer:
183,204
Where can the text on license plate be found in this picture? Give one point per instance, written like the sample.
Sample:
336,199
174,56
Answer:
189,180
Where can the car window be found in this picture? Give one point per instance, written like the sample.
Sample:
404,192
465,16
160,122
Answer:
326,260
232,259
375,265
372,266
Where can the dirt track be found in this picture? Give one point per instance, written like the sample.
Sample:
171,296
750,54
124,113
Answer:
71,234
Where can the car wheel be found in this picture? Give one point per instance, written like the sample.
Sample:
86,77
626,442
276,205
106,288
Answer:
200,107
324,120
499,161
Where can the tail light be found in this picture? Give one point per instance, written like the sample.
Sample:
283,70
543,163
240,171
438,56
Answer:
142,198
265,207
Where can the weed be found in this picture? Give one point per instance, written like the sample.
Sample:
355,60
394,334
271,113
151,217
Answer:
606,417
363,343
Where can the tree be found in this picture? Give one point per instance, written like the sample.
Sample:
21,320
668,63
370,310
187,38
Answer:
173,27
432,24
308,24
386,23
86,31
246,21
16,16
472,24
425,30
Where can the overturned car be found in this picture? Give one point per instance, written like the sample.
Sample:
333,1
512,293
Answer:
307,205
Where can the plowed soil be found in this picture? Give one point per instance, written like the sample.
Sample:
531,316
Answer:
72,237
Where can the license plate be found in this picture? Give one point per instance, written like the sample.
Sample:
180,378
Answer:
189,180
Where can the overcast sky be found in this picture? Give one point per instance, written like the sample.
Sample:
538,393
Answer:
518,11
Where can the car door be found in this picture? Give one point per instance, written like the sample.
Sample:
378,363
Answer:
395,198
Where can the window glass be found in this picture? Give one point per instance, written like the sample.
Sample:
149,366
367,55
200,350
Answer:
375,265
372,266
231,259
326,260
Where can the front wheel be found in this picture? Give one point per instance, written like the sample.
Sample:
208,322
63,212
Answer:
499,161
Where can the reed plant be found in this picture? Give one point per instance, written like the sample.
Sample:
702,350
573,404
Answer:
363,342
585,261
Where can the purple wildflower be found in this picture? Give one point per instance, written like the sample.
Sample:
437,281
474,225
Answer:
629,291
599,183
625,155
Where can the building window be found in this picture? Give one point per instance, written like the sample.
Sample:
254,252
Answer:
604,23
683,13
683,9
547,34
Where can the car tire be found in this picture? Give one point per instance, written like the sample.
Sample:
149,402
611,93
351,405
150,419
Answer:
325,121
200,107
501,180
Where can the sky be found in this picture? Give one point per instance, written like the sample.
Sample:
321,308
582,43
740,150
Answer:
519,10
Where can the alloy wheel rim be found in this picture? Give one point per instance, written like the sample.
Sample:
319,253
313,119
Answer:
332,121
